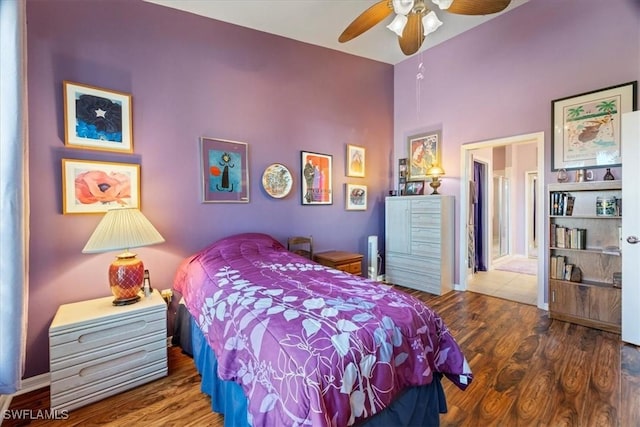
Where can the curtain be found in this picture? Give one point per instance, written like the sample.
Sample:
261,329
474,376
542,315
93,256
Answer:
14,194
478,217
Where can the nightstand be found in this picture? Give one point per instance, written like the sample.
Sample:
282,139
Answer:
98,350
345,261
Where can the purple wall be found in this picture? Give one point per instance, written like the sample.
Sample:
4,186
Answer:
192,77
498,80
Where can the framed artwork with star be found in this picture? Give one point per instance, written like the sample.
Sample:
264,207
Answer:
97,118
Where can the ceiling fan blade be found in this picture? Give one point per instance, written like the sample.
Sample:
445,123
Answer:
366,20
412,36
478,7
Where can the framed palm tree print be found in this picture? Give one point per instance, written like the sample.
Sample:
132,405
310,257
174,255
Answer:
586,127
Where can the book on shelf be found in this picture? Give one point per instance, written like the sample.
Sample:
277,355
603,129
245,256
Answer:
561,203
561,236
560,267
568,269
568,207
557,267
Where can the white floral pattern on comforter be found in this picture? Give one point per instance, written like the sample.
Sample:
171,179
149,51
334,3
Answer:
308,344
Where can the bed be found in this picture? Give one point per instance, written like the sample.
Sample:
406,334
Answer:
282,341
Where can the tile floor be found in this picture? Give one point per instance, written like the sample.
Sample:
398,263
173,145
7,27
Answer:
505,284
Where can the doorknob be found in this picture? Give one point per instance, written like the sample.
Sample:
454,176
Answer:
633,240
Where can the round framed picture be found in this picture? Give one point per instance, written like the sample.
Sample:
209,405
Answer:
277,180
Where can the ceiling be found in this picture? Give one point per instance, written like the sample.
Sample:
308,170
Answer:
320,22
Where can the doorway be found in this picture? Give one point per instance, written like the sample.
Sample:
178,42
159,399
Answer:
514,225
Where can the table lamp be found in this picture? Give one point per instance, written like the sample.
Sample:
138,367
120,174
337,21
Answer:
435,172
123,228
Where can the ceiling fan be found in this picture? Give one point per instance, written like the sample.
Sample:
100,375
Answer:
414,20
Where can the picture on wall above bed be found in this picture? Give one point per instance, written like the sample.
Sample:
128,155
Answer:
317,172
225,171
356,197
355,161
277,180
97,119
96,187
586,127
424,150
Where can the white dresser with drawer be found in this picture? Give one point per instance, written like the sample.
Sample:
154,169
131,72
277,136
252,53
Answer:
98,349
419,242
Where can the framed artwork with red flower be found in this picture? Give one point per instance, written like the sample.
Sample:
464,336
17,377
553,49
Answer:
96,187
97,119
224,167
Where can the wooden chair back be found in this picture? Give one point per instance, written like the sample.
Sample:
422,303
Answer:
301,245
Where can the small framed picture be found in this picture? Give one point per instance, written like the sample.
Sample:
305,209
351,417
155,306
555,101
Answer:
225,171
97,119
415,188
355,161
316,171
96,187
356,197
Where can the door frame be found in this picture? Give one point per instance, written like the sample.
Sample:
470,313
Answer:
466,160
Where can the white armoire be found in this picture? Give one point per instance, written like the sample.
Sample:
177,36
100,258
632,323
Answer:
419,245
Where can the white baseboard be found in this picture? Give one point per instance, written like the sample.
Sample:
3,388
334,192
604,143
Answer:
28,385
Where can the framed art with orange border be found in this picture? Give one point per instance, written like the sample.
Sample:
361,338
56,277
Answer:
96,187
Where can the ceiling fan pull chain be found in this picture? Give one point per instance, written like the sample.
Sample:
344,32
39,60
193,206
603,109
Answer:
419,78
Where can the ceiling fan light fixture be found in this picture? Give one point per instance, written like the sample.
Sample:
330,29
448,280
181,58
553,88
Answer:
430,23
398,24
402,7
442,4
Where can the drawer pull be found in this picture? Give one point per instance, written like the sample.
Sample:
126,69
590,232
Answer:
113,331
118,364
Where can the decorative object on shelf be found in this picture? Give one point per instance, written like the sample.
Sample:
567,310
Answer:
424,151
355,161
606,206
225,171
617,279
356,197
414,19
562,175
123,228
583,175
96,187
586,127
97,119
317,171
608,176
277,180
435,172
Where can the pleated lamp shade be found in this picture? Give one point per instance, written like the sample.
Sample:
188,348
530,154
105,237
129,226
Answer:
119,229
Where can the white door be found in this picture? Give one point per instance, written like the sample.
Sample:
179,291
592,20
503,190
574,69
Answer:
630,228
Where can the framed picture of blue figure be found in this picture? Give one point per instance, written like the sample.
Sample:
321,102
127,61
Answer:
225,171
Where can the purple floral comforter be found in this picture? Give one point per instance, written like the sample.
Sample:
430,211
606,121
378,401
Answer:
308,344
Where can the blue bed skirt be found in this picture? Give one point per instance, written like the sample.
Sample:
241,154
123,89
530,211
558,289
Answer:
417,406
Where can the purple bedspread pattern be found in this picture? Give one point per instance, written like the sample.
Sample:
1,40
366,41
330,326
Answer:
308,344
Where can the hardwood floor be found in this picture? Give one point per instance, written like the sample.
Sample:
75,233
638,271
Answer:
528,371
